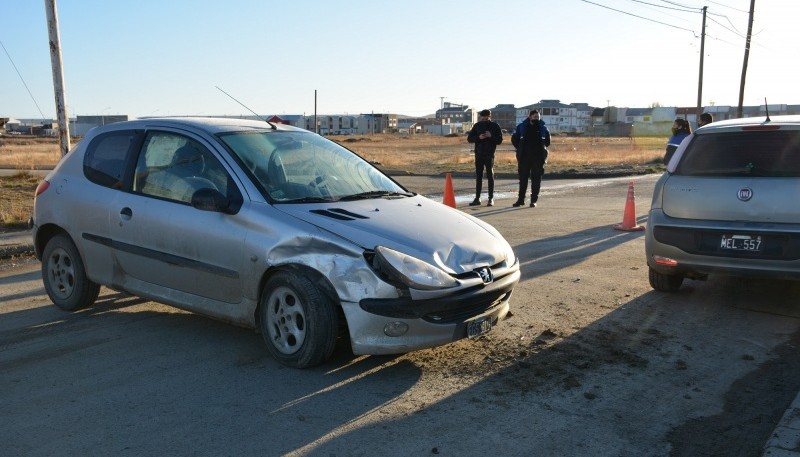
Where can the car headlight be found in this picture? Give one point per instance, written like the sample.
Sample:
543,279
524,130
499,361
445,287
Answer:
411,271
511,258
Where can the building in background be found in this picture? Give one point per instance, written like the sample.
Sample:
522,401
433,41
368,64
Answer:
454,113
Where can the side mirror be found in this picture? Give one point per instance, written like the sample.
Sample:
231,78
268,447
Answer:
212,200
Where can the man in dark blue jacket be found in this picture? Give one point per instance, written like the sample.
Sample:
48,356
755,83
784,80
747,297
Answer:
531,139
486,135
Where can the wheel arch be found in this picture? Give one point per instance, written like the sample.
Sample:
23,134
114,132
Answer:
44,234
320,280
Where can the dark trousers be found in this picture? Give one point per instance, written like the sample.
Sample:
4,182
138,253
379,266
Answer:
530,167
484,162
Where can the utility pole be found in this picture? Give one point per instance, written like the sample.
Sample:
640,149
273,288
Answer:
316,125
58,76
702,54
740,112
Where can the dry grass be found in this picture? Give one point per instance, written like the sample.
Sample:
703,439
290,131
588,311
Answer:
29,152
16,199
433,154
418,154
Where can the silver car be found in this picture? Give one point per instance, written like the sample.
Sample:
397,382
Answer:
270,227
728,204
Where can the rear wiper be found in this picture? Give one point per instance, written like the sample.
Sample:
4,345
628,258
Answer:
742,171
375,194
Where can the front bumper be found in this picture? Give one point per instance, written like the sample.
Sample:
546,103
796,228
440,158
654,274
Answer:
431,322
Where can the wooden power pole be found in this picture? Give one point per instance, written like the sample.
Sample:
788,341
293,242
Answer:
702,52
58,75
740,111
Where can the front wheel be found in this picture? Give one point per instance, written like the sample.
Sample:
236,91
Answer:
664,283
298,322
64,275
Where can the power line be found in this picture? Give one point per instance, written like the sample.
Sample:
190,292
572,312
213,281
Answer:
641,17
726,6
735,32
677,4
685,9
21,79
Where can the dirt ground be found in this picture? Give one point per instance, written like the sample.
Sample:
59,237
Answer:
591,361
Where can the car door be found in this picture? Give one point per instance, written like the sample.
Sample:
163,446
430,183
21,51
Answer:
104,166
165,246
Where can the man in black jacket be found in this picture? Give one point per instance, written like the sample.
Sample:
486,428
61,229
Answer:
531,139
486,135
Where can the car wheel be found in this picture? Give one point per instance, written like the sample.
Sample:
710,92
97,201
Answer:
298,322
64,275
664,283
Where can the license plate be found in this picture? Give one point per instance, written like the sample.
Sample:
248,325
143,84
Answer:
741,243
479,326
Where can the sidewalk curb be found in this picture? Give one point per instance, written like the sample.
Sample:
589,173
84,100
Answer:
16,243
785,439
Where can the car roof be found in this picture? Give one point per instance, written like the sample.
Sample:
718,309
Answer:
791,122
211,125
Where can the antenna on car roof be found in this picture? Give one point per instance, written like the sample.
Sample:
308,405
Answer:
248,109
766,108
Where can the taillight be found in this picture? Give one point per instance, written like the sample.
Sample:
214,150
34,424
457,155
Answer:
665,261
43,186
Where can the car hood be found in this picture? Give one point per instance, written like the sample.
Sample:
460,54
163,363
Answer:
417,226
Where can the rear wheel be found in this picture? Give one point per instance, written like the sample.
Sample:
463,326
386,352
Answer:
64,275
298,322
664,283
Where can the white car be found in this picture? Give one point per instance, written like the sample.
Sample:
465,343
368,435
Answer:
727,204
267,226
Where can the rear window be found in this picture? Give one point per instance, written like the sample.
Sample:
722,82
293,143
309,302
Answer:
104,162
754,153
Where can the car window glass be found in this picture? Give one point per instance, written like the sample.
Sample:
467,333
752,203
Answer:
104,162
294,166
174,167
754,153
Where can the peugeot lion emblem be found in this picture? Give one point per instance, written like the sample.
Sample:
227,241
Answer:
745,194
486,274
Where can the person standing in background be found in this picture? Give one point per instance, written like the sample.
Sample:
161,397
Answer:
680,130
704,119
531,140
486,135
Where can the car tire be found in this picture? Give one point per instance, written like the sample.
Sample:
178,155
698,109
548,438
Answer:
664,283
298,321
64,275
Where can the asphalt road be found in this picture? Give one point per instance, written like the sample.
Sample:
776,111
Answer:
592,362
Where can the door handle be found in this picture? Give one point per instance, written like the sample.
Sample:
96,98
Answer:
126,214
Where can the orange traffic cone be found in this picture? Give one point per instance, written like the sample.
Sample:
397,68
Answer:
629,218
449,195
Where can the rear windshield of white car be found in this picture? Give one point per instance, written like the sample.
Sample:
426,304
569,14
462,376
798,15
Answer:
770,153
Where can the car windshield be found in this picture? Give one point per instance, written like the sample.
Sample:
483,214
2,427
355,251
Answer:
770,153
301,167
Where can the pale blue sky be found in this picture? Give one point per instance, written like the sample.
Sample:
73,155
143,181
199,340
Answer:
165,57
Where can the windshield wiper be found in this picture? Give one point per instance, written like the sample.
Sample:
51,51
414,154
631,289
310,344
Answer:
308,200
375,194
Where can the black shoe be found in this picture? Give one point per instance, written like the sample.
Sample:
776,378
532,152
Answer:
491,202
475,202
518,203
533,204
